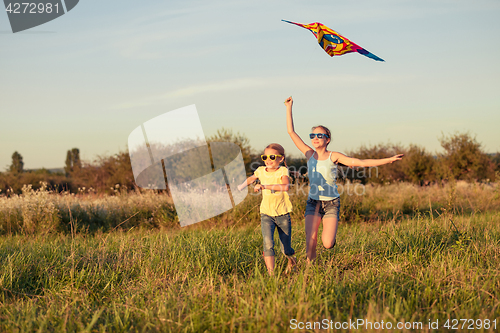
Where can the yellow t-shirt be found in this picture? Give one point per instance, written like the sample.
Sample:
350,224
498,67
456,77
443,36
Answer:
274,203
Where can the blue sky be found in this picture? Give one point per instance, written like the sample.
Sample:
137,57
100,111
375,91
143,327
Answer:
88,78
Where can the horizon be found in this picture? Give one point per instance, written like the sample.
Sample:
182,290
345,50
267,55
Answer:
88,78
61,168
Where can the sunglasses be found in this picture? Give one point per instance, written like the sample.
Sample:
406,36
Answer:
319,135
271,157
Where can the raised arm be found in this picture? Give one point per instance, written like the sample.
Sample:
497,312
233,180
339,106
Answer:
356,162
291,130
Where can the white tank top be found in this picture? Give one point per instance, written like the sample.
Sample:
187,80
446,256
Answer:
322,179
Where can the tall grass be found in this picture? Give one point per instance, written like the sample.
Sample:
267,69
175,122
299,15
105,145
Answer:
42,211
194,279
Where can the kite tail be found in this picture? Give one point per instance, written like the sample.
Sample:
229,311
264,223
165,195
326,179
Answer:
368,54
299,24
292,23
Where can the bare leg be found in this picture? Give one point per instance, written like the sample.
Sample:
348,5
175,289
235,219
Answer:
330,225
312,225
269,260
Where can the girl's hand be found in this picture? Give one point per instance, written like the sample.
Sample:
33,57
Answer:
258,187
396,158
289,101
240,187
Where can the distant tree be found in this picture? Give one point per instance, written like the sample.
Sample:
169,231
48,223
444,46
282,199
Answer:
297,164
496,164
17,163
227,135
73,162
496,160
16,181
464,159
106,172
418,165
116,169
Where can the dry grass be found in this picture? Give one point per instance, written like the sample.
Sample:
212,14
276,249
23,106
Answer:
43,211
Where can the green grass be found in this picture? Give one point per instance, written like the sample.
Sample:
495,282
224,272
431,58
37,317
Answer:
212,278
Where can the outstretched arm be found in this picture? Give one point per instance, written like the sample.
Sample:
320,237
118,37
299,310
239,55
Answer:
356,162
247,182
291,130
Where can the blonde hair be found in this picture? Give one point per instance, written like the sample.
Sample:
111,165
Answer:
279,148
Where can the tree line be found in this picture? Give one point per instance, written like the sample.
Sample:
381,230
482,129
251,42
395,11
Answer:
463,158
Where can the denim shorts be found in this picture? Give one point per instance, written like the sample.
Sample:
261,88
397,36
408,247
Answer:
284,225
330,208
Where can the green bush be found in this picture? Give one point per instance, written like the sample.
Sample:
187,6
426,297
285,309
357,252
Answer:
464,159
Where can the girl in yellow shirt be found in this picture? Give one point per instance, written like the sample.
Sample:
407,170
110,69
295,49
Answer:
275,207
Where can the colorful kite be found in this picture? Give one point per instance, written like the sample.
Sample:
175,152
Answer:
332,42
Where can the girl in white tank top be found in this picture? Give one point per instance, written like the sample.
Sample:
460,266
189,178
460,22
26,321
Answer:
323,202
322,179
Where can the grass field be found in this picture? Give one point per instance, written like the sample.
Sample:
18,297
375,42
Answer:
405,255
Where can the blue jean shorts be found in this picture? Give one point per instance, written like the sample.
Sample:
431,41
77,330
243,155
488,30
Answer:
330,208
